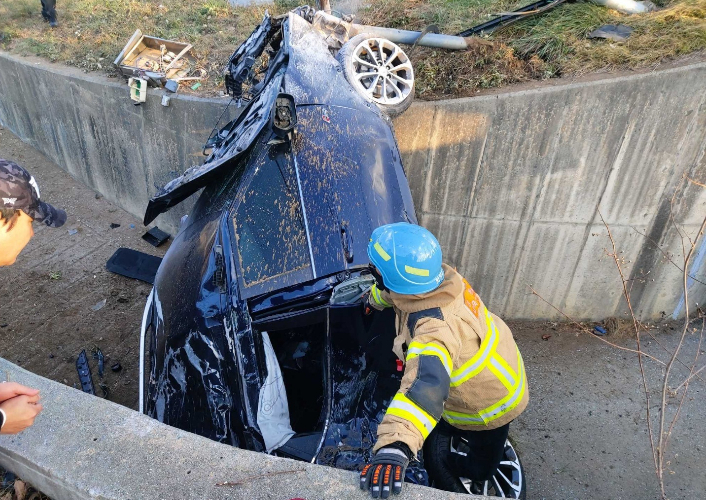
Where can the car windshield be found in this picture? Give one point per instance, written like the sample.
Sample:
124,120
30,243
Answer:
271,235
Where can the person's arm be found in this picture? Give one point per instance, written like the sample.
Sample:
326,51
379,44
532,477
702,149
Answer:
19,413
418,405
419,402
379,299
19,406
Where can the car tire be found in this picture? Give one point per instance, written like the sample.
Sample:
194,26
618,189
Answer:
365,74
437,449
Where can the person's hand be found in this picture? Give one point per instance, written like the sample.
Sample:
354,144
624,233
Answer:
20,413
11,389
385,473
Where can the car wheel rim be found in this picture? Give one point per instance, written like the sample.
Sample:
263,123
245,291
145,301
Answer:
507,482
383,71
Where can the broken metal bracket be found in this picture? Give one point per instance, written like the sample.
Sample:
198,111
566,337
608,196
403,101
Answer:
82,368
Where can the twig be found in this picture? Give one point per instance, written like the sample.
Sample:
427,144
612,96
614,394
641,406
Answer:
691,375
690,370
685,392
259,476
665,254
693,181
586,330
661,437
657,463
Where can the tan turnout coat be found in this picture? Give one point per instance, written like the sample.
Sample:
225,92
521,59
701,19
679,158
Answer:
449,340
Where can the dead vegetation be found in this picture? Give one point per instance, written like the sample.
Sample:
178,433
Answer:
550,45
91,33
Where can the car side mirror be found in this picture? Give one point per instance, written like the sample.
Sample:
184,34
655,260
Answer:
283,115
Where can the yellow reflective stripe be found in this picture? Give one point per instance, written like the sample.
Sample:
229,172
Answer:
416,271
473,366
431,349
381,251
496,410
403,407
377,295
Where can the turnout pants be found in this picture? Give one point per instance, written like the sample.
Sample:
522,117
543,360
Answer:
486,452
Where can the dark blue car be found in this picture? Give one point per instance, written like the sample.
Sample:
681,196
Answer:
258,304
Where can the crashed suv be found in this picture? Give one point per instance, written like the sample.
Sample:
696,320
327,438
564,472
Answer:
256,333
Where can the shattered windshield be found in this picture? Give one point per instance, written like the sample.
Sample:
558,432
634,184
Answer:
271,235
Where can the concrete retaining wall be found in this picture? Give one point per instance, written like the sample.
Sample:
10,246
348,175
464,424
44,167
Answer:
510,183
89,126
83,447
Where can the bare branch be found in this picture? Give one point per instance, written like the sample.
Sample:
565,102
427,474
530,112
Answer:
661,438
685,392
665,254
696,372
656,459
693,181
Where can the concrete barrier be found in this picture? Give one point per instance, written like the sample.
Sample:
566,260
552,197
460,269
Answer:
83,447
510,182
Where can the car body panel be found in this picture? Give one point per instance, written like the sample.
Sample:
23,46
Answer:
281,223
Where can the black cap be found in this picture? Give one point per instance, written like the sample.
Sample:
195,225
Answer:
19,191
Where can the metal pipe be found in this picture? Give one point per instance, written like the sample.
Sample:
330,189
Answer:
626,6
410,37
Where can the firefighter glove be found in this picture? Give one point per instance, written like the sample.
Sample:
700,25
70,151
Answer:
384,475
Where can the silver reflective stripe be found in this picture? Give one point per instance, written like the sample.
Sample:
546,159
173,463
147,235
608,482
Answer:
503,371
427,350
471,418
414,411
484,357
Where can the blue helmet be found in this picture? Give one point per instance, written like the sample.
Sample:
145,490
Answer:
408,257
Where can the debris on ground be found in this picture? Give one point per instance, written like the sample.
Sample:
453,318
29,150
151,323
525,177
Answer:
99,305
153,59
99,357
628,6
546,336
113,225
138,89
72,232
84,372
617,33
156,237
599,331
172,86
116,367
134,264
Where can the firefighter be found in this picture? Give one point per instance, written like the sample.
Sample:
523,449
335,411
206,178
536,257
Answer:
463,370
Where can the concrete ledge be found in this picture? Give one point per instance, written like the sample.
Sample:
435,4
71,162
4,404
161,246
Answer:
84,447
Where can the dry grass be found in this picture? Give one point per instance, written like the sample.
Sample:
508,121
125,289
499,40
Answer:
92,32
549,45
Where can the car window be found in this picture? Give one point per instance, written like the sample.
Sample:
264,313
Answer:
271,235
